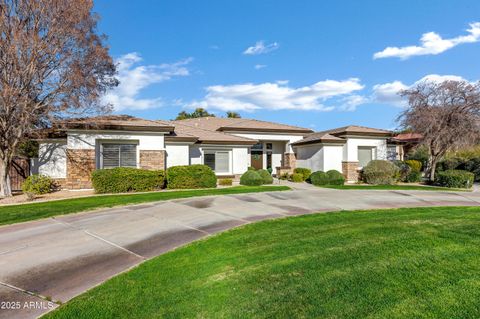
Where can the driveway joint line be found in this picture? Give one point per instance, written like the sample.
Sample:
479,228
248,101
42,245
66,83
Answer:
99,238
174,222
28,292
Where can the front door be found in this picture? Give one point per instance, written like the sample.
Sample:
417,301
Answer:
257,159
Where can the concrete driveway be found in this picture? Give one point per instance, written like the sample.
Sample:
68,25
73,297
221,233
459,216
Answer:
59,258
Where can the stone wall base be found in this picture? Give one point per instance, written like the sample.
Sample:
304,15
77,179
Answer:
350,171
80,165
152,160
289,160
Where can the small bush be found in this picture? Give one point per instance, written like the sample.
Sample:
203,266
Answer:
225,182
413,177
472,165
284,176
191,176
251,178
403,171
379,172
126,179
415,165
454,179
251,168
319,178
270,170
37,185
297,178
305,172
335,177
265,175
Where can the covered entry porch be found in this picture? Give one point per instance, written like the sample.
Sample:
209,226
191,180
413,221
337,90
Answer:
269,154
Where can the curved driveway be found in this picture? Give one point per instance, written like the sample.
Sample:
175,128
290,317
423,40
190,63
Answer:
61,257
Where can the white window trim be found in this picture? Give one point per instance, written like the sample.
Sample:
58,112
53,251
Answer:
374,153
215,150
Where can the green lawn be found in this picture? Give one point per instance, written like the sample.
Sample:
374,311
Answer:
396,187
404,263
20,213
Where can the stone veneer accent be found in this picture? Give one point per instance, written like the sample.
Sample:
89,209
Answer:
289,160
80,165
153,160
350,171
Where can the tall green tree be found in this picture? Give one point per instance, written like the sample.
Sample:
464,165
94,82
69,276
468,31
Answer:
234,115
198,112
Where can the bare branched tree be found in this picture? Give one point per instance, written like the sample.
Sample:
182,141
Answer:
446,114
53,64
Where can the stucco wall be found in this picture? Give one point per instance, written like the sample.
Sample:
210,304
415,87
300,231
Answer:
332,157
273,137
52,159
310,156
350,149
239,156
177,154
87,140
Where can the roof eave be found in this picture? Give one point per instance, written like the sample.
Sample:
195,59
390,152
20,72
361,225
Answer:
266,130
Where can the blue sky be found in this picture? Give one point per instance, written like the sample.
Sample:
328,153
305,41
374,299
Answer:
317,64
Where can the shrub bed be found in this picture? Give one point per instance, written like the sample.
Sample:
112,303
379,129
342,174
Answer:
379,172
225,182
251,178
305,172
454,179
266,176
191,176
124,179
416,166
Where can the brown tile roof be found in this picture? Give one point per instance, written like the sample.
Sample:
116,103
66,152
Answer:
358,130
407,137
241,124
115,122
185,130
320,137
334,135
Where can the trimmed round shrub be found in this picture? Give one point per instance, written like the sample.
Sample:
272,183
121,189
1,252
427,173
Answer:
37,185
297,178
191,176
265,175
454,179
335,177
251,168
251,178
305,172
416,166
127,179
319,178
379,172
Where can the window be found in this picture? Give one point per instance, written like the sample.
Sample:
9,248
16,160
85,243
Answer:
258,146
119,155
218,161
365,155
392,152
269,146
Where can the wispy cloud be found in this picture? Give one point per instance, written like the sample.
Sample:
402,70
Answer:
431,43
259,66
261,48
276,96
134,78
389,93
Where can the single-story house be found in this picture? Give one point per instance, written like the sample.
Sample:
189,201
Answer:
73,149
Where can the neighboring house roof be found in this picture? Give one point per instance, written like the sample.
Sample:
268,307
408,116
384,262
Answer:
185,131
336,135
116,122
407,137
241,124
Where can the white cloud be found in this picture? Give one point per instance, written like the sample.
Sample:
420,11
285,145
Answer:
134,78
388,93
350,103
261,48
431,43
276,96
259,66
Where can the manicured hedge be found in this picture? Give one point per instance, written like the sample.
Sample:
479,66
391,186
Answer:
124,179
37,185
319,178
225,182
335,177
266,176
455,179
305,172
191,176
297,178
251,178
379,172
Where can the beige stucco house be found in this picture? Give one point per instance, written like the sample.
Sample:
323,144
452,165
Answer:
73,149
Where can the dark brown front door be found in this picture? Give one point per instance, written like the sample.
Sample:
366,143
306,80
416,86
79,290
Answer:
257,159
